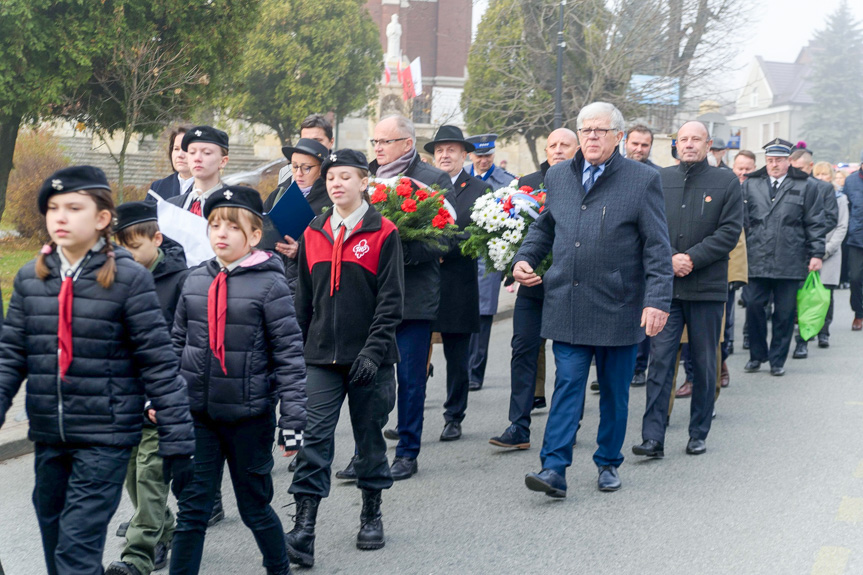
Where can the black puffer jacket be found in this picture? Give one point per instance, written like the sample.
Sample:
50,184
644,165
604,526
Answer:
121,350
263,345
169,276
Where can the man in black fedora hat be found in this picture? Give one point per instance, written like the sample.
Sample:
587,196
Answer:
458,317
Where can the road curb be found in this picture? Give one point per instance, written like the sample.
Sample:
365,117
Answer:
15,448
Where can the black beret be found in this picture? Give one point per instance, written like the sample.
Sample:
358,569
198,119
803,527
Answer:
73,179
132,213
309,147
207,134
235,197
346,157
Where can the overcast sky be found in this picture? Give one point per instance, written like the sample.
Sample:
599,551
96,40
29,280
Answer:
782,28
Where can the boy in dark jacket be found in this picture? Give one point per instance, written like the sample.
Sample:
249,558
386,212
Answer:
149,533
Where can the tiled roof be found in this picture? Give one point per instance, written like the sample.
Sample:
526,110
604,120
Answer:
788,82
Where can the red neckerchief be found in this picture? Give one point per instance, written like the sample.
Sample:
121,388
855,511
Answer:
64,326
217,311
336,261
195,207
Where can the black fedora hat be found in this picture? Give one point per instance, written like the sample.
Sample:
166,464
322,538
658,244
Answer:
446,134
309,147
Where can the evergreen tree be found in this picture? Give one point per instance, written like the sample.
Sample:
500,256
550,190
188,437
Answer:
834,124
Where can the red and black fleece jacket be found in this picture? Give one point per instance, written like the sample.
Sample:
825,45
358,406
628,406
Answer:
367,301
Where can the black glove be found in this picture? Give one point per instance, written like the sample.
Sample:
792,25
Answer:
180,468
363,372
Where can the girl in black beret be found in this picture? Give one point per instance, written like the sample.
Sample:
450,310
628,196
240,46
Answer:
349,303
206,151
86,330
241,352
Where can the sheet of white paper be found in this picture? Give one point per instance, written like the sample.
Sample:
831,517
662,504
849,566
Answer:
185,228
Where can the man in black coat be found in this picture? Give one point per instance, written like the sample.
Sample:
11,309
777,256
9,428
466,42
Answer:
394,143
562,144
704,211
784,241
458,315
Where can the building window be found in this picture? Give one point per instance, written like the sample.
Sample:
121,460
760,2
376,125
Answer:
753,98
421,113
776,131
765,133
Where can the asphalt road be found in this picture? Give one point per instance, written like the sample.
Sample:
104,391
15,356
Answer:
779,491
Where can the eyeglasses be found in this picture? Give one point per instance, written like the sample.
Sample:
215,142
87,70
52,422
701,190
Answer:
305,168
386,142
601,132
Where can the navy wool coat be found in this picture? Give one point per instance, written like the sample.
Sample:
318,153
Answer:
612,256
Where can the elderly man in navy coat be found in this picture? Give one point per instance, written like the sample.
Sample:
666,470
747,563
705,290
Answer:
611,281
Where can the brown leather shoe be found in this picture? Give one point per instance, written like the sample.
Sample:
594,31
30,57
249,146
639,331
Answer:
857,325
685,390
724,376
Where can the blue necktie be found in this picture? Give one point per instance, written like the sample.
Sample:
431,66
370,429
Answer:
591,178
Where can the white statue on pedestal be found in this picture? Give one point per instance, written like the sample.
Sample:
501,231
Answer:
394,37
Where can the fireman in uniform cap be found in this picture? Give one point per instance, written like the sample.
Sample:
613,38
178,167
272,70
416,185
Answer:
784,241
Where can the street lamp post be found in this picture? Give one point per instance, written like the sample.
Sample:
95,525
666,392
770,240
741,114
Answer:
558,93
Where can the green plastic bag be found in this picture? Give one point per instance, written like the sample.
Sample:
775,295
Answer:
813,299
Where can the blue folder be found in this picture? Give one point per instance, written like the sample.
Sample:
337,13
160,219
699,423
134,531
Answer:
291,214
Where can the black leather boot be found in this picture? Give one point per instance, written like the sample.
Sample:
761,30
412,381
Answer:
300,540
371,535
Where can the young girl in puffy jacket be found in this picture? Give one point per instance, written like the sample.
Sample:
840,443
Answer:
241,351
86,330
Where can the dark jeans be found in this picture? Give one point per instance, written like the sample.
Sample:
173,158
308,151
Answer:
614,369
248,448
703,320
784,294
479,349
413,338
457,353
77,492
370,407
526,342
729,323
855,278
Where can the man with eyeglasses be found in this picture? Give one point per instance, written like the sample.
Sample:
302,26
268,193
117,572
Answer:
484,168
785,241
394,145
609,284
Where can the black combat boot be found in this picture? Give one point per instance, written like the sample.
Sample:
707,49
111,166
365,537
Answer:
286,570
300,541
371,535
